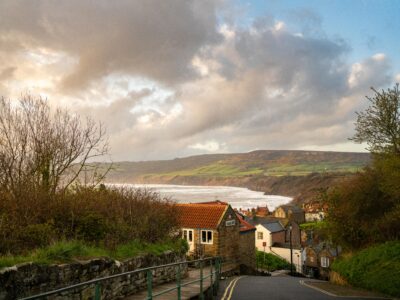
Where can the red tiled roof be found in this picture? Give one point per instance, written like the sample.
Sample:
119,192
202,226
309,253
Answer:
244,225
197,215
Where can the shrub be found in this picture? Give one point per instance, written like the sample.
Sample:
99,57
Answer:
376,268
107,217
35,236
271,262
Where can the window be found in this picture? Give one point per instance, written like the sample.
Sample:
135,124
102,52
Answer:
188,235
206,237
230,223
260,235
324,262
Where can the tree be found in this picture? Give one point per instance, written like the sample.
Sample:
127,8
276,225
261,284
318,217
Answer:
43,148
379,124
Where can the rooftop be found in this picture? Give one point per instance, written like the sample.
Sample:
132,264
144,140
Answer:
200,215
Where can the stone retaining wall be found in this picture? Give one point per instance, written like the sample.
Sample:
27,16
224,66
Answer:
31,279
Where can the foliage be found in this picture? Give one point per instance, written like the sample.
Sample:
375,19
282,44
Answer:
379,124
375,268
317,225
107,217
67,251
271,262
42,149
363,211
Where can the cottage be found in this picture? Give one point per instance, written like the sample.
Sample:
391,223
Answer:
318,259
291,212
268,233
314,211
215,229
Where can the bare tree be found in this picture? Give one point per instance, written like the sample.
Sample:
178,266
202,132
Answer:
379,124
45,149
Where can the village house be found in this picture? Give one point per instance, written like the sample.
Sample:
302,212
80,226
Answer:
268,233
314,211
291,212
273,236
318,259
215,229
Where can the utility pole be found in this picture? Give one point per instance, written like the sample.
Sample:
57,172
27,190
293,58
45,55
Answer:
291,250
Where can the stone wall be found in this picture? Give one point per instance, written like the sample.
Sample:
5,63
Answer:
31,279
247,248
228,237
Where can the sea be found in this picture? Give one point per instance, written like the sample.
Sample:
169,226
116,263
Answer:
237,197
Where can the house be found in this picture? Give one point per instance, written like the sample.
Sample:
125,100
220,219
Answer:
291,212
273,236
314,211
268,233
215,229
262,211
318,259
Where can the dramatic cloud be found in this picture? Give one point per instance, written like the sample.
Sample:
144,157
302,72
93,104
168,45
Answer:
173,78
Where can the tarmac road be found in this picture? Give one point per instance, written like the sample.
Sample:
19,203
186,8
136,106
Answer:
271,288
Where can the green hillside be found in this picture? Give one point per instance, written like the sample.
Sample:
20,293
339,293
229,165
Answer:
256,163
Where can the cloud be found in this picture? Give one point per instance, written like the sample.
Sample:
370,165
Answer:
145,38
174,78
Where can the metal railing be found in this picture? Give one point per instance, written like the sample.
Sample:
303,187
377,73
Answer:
214,275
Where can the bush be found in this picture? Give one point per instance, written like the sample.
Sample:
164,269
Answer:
362,212
35,236
376,268
107,217
271,262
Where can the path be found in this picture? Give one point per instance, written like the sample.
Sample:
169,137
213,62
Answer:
187,291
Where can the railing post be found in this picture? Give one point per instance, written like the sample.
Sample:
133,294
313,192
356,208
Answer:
211,278
178,281
217,271
201,280
97,291
149,285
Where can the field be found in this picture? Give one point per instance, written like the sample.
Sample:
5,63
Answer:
257,163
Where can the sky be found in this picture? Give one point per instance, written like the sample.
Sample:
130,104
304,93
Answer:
177,78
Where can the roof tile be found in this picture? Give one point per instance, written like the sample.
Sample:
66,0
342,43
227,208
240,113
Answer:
200,215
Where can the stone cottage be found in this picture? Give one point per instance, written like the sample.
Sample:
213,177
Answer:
215,229
291,212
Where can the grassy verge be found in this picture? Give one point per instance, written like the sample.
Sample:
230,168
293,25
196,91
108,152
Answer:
376,268
271,262
67,251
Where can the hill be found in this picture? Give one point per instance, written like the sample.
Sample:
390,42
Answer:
284,172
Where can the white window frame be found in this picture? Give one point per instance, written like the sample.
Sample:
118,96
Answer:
324,262
187,231
208,241
262,235
230,223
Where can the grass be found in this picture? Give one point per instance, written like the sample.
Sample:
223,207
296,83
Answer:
375,268
271,262
68,251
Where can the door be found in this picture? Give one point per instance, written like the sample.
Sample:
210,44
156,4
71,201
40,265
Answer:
189,237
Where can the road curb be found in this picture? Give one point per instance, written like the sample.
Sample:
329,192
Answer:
334,295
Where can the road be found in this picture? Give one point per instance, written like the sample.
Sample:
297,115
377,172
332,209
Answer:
271,288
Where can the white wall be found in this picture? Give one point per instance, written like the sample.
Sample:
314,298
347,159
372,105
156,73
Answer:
266,238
